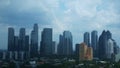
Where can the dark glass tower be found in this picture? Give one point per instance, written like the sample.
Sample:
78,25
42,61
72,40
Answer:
94,43
103,44
53,47
10,39
65,46
46,42
77,49
34,42
60,45
22,39
16,44
26,43
87,38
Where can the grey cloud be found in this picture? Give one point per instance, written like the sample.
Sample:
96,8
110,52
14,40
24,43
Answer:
14,15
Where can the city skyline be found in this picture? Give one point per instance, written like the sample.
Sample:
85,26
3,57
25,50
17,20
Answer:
76,16
25,46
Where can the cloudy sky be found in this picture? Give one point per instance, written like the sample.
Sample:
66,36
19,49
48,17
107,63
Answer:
77,16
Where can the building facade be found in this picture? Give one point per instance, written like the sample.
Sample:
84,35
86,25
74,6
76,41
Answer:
34,42
87,38
94,43
65,47
105,45
46,42
10,39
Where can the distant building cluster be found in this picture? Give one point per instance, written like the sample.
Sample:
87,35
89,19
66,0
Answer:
102,48
26,46
19,47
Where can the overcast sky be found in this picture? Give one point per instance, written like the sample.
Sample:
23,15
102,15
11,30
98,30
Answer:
77,16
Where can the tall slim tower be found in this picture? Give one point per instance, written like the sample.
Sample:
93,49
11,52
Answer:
34,42
46,42
87,38
22,39
94,43
10,39
60,46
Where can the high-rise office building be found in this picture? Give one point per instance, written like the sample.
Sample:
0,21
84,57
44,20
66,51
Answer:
94,43
16,44
103,44
21,53
110,48
65,46
53,47
22,39
87,38
60,46
116,47
27,47
34,42
27,43
10,39
46,42
68,43
77,49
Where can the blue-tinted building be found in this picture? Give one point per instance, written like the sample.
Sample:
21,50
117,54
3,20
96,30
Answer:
94,43
65,46
10,39
22,39
103,45
87,38
46,42
34,42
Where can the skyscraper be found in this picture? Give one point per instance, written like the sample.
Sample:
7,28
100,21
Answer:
34,42
87,38
10,39
94,43
77,49
22,39
27,43
16,44
68,43
65,46
116,47
60,46
103,44
46,42
22,34
110,48
53,47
